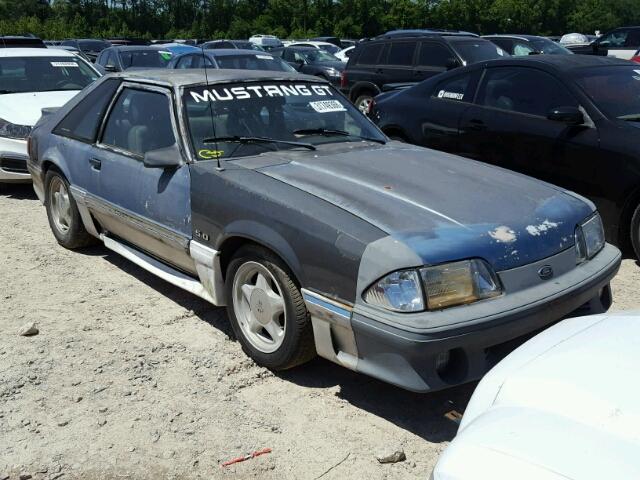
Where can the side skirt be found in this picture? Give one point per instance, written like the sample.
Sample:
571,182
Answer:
209,286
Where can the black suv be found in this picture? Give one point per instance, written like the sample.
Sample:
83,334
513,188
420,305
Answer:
408,57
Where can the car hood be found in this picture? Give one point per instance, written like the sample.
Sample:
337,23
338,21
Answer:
26,108
567,400
442,206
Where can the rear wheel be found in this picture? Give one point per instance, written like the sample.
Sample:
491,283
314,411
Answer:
266,310
62,213
635,231
363,102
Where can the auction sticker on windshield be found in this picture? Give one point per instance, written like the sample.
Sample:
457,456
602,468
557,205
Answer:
221,94
327,106
64,64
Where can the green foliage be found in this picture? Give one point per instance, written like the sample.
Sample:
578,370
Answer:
55,19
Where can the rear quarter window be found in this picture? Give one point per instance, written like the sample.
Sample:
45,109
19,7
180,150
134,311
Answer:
82,122
458,88
369,54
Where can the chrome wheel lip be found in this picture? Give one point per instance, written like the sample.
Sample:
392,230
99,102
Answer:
255,304
60,205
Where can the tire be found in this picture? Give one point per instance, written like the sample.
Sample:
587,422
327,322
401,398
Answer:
635,232
275,340
62,212
363,101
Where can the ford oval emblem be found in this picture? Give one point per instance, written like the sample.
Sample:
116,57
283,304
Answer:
546,272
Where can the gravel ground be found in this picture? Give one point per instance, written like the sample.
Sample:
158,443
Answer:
130,377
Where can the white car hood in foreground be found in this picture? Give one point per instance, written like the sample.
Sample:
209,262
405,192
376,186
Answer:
566,405
26,108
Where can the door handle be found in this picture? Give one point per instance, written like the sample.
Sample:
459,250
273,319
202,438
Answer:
96,163
477,125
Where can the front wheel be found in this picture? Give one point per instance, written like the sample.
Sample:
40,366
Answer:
266,310
62,213
635,231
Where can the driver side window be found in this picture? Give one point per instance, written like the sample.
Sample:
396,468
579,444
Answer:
140,121
614,39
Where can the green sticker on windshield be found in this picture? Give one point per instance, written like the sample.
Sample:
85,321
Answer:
210,154
166,55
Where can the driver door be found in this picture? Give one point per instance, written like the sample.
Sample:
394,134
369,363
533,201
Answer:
149,208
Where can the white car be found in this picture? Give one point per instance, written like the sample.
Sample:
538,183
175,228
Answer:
32,79
325,46
267,42
344,54
565,405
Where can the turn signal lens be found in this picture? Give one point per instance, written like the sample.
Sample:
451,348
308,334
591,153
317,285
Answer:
399,291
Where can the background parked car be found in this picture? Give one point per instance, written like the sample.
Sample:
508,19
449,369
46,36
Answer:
233,59
178,48
267,42
326,46
405,58
521,45
563,406
91,47
242,44
80,53
333,40
344,54
20,41
570,120
119,59
314,61
621,42
32,79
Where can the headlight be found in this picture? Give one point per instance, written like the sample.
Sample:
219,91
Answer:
459,283
399,291
589,238
11,130
444,286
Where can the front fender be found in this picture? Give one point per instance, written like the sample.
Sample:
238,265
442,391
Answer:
266,236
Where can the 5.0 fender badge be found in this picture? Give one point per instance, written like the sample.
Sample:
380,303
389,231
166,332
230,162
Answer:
545,272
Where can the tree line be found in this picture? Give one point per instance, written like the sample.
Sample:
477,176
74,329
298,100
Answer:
57,19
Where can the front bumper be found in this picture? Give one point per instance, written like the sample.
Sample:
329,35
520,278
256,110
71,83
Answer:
13,161
430,359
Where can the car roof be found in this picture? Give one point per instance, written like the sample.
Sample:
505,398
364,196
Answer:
518,36
560,62
300,47
125,48
225,52
35,52
196,76
311,42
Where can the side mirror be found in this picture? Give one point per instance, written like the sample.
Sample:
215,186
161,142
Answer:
568,115
110,68
168,157
452,63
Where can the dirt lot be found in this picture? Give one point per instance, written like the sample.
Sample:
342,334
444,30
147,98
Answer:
131,378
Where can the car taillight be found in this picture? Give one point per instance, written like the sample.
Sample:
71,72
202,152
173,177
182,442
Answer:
635,58
343,79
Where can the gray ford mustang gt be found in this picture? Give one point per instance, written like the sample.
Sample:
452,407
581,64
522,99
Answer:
270,194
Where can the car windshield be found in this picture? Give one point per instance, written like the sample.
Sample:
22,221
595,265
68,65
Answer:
93,45
270,113
258,61
317,56
43,74
148,58
615,90
248,46
329,48
473,51
549,47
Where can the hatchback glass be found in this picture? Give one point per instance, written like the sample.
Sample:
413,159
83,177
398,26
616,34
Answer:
150,58
472,51
44,74
222,117
615,90
253,62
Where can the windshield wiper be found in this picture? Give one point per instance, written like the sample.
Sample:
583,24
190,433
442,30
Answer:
245,140
634,117
328,132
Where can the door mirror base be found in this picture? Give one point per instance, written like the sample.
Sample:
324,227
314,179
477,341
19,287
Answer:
168,157
568,115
